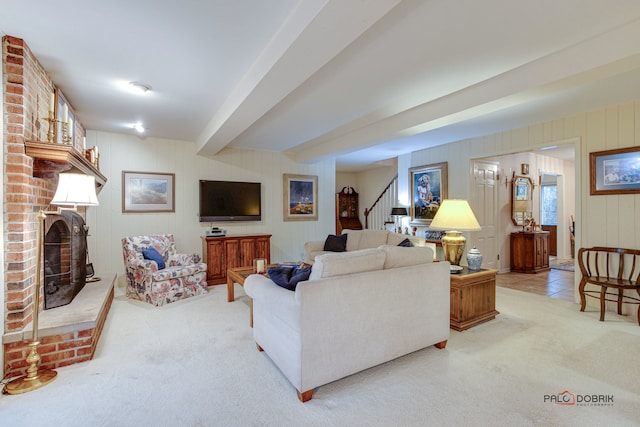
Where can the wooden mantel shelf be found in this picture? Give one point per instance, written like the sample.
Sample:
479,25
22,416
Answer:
52,159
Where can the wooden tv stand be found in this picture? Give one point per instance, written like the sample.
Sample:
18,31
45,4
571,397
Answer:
225,252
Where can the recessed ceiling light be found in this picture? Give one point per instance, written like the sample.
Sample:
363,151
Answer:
139,127
139,87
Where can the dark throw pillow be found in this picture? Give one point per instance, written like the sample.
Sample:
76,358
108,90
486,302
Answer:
152,254
336,243
288,276
406,243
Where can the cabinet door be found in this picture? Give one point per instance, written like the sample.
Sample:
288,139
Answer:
522,251
542,250
232,249
263,248
216,266
247,252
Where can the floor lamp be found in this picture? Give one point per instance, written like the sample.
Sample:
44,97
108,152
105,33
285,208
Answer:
454,216
73,190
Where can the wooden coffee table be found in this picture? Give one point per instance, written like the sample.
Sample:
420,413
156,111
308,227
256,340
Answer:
238,275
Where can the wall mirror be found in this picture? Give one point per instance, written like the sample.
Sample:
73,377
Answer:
521,200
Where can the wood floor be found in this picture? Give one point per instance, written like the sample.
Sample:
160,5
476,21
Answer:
553,283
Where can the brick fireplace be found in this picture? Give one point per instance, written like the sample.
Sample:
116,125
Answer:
29,185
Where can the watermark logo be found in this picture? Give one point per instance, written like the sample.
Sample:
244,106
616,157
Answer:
568,398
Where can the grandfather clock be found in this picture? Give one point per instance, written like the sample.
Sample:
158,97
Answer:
347,210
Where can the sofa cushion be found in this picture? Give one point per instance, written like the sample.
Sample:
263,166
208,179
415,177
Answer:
394,239
353,242
373,238
399,256
152,254
336,243
330,265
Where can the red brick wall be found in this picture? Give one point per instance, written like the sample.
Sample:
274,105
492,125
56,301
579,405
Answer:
57,350
26,91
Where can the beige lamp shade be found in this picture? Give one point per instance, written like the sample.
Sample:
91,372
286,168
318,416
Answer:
75,189
455,214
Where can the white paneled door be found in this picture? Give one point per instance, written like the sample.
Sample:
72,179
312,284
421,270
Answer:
484,202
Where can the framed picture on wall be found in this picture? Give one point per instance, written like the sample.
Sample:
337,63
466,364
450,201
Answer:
300,197
428,190
148,192
615,171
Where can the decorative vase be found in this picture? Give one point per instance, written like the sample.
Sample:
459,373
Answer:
474,259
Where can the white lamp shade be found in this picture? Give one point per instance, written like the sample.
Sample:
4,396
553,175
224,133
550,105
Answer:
76,190
455,215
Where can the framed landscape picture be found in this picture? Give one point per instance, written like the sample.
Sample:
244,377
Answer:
300,197
428,190
148,192
615,171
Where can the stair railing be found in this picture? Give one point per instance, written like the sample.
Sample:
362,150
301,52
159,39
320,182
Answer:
379,214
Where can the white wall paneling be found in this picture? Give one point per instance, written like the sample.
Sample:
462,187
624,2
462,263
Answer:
122,152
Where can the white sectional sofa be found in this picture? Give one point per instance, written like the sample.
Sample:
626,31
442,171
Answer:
365,239
357,310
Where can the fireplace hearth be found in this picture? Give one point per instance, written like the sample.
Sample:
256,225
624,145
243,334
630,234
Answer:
65,254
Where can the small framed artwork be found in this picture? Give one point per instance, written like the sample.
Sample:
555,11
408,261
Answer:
428,190
148,192
300,197
615,171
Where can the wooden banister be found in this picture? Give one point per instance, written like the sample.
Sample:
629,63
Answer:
368,211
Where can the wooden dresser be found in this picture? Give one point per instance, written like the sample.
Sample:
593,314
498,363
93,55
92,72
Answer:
223,253
529,252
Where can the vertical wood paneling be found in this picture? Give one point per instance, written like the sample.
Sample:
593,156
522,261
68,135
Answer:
122,152
603,220
626,122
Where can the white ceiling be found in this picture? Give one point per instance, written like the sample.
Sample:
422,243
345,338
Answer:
358,81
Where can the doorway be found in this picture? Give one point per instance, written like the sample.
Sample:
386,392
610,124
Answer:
559,161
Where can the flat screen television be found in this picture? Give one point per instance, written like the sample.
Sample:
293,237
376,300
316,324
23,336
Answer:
229,201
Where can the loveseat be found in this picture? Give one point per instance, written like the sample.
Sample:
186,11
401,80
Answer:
357,310
180,276
363,239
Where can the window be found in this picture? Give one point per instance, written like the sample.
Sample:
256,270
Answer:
549,205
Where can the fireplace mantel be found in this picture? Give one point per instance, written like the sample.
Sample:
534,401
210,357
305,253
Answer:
52,159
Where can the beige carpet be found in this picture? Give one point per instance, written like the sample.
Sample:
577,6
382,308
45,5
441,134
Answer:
194,363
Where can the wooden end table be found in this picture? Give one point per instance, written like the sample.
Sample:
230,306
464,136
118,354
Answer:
238,275
473,298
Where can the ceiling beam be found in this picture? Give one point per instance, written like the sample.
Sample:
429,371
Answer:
313,34
610,54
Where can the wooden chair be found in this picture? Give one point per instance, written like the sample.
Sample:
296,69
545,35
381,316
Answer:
614,268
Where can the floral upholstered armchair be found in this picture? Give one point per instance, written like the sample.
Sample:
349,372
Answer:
168,278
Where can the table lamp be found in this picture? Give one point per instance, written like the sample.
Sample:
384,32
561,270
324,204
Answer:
73,190
454,216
